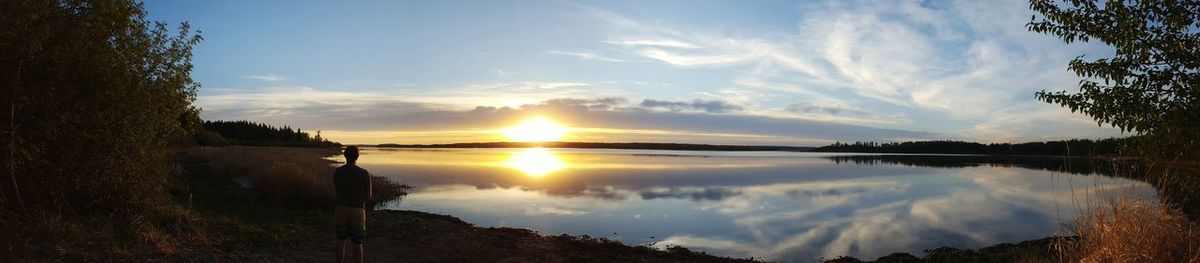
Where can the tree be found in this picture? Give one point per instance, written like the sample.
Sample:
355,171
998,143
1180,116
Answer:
1150,85
244,132
92,94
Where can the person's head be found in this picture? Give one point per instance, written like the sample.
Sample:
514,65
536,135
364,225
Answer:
351,154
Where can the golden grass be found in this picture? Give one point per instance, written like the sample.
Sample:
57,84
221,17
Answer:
154,232
1132,230
297,177
291,176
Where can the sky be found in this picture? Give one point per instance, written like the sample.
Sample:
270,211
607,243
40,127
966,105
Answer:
802,73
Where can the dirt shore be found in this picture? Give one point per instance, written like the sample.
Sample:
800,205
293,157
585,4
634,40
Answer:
411,236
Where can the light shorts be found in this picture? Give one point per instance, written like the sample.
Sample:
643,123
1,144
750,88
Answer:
350,222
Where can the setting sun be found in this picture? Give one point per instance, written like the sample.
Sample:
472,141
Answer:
535,129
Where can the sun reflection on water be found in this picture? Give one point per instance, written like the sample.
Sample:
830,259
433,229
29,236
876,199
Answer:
536,162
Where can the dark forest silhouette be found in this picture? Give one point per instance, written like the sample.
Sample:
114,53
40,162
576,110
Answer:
1073,147
260,134
605,145
1070,165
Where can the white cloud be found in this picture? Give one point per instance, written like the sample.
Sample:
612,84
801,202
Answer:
670,43
1037,122
966,70
268,77
585,56
966,62
690,61
487,106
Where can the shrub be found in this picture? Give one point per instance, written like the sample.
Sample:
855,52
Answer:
93,94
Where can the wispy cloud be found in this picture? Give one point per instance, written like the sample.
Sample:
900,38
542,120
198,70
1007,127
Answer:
695,60
957,69
1036,123
669,43
585,56
691,121
710,106
268,77
957,64
835,109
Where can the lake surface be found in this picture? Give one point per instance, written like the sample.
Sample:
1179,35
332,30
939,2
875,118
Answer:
769,205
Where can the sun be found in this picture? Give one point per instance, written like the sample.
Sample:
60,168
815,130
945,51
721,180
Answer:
536,129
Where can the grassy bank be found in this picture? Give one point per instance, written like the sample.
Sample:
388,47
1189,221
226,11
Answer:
206,215
285,217
268,204
1130,230
291,177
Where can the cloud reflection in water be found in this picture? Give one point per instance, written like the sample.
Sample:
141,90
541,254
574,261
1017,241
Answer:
778,206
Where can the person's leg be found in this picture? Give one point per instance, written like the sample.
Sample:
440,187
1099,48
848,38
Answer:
342,232
341,251
358,252
358,233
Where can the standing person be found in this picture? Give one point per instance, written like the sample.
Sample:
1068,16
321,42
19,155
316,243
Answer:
352,186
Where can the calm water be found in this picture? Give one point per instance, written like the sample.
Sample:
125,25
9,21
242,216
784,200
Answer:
772,205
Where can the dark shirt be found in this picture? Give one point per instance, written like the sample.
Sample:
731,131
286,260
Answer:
352,186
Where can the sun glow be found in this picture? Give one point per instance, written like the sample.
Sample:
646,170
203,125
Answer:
535,129
536,162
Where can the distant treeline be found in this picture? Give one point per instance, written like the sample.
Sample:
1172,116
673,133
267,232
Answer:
1073,165
260,134
604,145
1074,147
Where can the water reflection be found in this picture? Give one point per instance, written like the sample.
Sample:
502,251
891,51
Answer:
536,162
778,206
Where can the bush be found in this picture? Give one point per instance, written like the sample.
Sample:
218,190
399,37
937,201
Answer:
93,94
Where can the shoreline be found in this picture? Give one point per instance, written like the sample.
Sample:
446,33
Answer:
422,236
237,227
237,224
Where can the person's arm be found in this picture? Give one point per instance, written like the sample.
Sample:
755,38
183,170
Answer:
334,179
370,190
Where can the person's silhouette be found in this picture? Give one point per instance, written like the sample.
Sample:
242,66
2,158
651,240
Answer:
352,186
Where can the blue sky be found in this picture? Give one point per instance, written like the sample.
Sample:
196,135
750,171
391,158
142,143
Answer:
758,72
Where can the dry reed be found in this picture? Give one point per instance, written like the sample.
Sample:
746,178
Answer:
296,177
1132,230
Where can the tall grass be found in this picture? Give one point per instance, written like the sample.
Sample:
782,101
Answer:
151,233
1128,229
294,177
